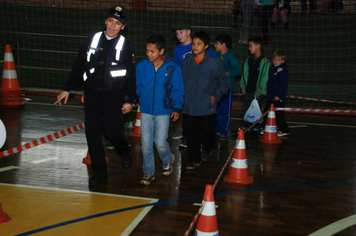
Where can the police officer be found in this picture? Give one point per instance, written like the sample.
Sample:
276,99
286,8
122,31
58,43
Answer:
105,63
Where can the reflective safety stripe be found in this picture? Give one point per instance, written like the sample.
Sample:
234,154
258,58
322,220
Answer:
209,209
85,77
199,233
238,163
9,74
241,144
270,129
116,73
93,45
119,46
138,123
271,114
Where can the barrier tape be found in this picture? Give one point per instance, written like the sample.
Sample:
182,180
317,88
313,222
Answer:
317,111
42,140
312,99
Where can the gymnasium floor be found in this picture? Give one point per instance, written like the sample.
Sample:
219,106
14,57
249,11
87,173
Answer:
304,186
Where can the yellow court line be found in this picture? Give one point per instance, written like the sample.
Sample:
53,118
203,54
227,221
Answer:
335,227
52,211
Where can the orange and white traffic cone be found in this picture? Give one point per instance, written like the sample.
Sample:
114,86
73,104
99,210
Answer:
10,90
137,129
270,132
3,216
208,223
87,159
239,170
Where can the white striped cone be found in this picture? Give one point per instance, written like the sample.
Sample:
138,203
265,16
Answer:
207,223
137,128
2,134
10,90
270,132
239,168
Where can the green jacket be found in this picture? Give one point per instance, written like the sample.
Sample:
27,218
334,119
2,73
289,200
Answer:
261,86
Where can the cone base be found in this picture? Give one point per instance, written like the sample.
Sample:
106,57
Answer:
135,135
4,218
249,180
87,161
271,141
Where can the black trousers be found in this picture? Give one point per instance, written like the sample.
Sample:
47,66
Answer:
103,116
312,5
280,120
199,130
266,14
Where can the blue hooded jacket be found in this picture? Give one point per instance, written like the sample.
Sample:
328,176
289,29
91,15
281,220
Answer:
161,91
201,81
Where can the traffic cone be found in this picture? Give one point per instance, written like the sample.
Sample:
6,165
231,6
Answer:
10,90
87,159
239,169
207,223
270,132
137,129
3,216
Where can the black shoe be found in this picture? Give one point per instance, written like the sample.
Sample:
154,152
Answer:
192,165
286,25
183,144
206,156
97,179
126,161
273,25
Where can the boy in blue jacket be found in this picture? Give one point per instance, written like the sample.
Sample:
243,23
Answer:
160,88
205,82
277,87
228,59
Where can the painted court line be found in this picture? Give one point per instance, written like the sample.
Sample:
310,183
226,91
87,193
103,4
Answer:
335,227
44,160
8,168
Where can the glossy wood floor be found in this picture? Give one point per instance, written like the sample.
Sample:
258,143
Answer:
300,186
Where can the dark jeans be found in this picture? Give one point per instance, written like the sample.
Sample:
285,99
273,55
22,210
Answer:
199,130
247,99
103,116
312,5
280,120
265,19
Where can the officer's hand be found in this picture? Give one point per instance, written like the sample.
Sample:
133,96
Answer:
126,108
62,95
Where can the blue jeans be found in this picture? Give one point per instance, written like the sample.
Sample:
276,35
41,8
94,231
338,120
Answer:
154,129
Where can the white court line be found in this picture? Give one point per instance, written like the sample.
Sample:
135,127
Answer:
297,126
8,168
44,160
335,227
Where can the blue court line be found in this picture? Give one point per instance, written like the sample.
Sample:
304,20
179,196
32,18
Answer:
182,199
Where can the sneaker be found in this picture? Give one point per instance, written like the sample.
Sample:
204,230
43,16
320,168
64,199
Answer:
192,165
223,138
256,129
183,144
206,156
281,134
262,132
168,168
147,179
217,134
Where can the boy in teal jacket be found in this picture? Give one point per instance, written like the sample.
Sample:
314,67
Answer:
228,59
254,78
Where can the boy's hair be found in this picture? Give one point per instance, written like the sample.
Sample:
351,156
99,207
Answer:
280,53
158,40
256,40
224,38
203,36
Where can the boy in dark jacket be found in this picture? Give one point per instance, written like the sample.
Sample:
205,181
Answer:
277,90
205,82
160,87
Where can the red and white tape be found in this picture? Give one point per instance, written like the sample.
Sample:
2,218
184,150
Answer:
42,140
317,111
320,100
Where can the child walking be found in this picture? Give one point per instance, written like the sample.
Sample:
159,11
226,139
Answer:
254,78
277,90
205,82
228,59
160,88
